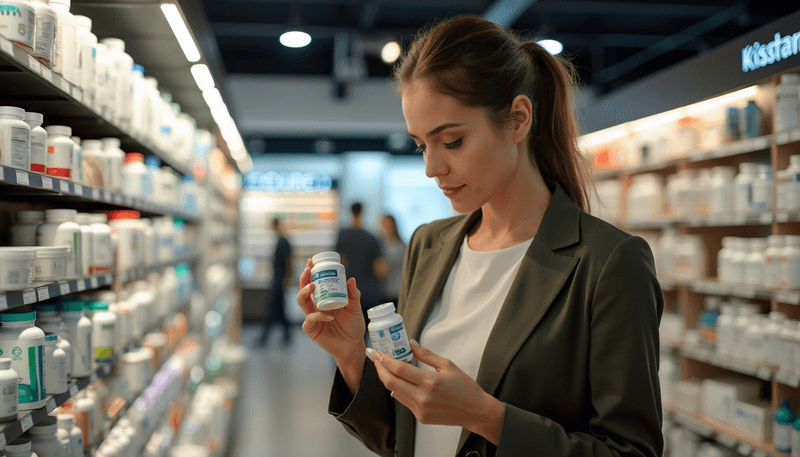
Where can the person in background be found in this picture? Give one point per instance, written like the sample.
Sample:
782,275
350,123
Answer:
276,306
362,258
394,249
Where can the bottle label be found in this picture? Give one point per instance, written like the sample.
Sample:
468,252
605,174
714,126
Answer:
45,36
10,398
28,362
782,437
392,341
328,284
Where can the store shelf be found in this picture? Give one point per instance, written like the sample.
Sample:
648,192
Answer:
721,220
22,184
729,363
721,433
791,136
32,86
139,272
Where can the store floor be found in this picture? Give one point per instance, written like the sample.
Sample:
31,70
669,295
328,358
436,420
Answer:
284,408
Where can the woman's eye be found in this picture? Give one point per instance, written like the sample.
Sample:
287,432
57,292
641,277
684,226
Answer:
420,149
454,144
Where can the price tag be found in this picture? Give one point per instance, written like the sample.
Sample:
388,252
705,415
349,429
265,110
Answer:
47,74
28,296
6,46
47,182
27,422
78,189
64,85
34,64
118,199
50,405
96,194
106,196
73,390
77,93
43,292
64,186
3,302
64,288
94,283
81,285
22,178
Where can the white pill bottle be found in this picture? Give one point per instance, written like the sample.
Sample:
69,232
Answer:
9,391
55,366
388,332
23,343
79,333
330,282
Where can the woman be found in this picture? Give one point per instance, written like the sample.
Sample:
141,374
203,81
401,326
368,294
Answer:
394,250
538,323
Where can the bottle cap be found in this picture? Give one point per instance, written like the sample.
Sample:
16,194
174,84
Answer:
98,306
155,162
45,426
58,130
45,308
134,157
98,218
109,143
5,363
123,215
61,214
36,118
12,111
380,310
137,68
68,3
70,305
76,140
66,421
114,44
91,144
30,215
18,316
83,21
19,444
327,255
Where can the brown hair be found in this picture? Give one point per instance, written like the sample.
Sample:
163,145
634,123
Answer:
482,65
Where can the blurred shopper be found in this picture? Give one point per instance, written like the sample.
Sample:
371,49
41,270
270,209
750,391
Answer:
281,266
394,249
538,323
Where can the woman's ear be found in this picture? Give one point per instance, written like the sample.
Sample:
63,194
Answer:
523,117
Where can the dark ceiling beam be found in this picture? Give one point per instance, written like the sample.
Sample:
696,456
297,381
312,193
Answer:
506,12
369,14
427,4
616,40
662,47
245,30
628,8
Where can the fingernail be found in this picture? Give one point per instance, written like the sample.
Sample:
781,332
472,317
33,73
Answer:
329,317
371,354
414,342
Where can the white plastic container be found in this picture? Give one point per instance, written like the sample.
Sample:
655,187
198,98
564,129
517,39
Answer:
133,174
743,200
725,329
50,264
787,104
17,23
793,183
121,66
86,419
45,33
738,260
38,141
755,262
104,336
49,321
66,44
129,238
781,190
762,188
60,150
64,439
86,55
772,261
9,391
97,164
67,422
724,259
773,331
111,147
60,229
722,190
23,232
102,245
16,268
24,342
790,263
388,333
79,333
87,243
740,325
55,366
330,281
44,440
14,137
756,340
788,344
76,174
20,447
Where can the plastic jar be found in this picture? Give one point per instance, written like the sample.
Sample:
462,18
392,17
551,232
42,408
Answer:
60,149
755,262
44,441
14,137
66,61
738,260
78,330
790,263
45,33
66,422
126,225
740,324
755,337
23,232
330,281
24,343
86,418
20,447
60,229
75,169
55,366
103,254
762,188
9,391
111,147
16,268
38,141
773,331
787,103
388,333
50,264
87,243
49,321
17,23
96,163
793,183
104,325
64,439
133,174
724,259
86,56
743,198
772,261
721,199
788,344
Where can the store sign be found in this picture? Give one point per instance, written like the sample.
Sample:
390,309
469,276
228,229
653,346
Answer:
272,181
759,55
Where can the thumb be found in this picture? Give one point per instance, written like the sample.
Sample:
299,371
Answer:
354,295
428,357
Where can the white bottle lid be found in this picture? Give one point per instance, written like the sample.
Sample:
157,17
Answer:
61,215
59,130
66,421
83,21
114,44
793,240
758,244
5,363
111,143
92,144
19,444
30,215
48,425
776,241
17,253
764,168
794,160
67,3
98,218
380,310
76,140
30,116
328,255
83,218
776,316
12,111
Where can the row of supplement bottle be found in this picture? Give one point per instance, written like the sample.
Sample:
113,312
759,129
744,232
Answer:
52,436
772,262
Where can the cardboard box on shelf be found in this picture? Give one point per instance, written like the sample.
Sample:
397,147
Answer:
720,396
753,419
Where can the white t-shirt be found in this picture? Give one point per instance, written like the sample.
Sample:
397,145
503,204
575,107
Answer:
460,323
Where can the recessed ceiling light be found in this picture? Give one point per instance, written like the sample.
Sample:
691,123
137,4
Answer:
552,46
390,52
295,39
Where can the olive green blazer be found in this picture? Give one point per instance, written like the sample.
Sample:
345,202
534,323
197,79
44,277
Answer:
573,355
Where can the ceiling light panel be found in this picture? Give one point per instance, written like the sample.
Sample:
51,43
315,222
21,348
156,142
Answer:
181,31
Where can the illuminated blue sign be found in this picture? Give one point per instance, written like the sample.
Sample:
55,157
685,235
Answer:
272,181
759,55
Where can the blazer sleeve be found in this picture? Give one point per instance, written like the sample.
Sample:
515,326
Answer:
625,311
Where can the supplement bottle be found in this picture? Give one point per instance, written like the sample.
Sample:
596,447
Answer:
773,331
45,33
788,345
44,441
724,259
762,188
755,262
756,340
86,55
104,325
66,42
707,326
66,422
79,333
23,342
330,282
64,439
722,191
388,333
55,366
60,229
49,321
790,263
23,232
781,190
725,329
772,261
133,174
17,23
103,254
738,260
793,183
60,150
38,142
20,447
753,120
87,243
746,312
85,418
14,138
129,238
9,391
787,104
743,199
75,169
782,427
17,267
111,147
96,163
121,78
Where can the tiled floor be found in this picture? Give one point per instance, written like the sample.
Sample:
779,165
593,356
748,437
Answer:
283,412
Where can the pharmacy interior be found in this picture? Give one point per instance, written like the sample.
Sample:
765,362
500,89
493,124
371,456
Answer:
118,210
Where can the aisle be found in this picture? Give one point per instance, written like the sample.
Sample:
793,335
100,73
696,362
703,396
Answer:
285,412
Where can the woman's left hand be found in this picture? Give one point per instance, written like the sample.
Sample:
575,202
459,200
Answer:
447,396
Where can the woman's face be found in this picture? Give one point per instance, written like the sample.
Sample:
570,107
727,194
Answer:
469,157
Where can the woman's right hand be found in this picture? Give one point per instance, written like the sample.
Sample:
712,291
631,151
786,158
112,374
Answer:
340,332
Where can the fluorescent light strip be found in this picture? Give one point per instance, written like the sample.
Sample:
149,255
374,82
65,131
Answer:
202,76
181,31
